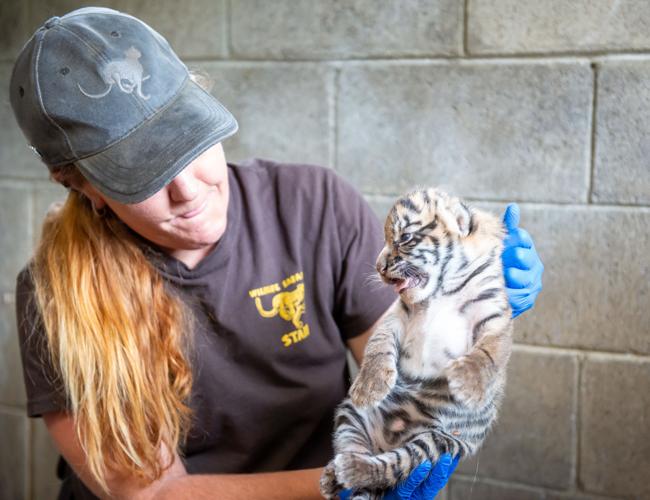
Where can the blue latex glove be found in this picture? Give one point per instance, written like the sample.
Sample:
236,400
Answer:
522,268
423,483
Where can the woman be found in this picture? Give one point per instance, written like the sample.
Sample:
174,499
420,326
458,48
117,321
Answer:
177,305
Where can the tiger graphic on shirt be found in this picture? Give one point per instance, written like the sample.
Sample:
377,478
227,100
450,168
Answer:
287,304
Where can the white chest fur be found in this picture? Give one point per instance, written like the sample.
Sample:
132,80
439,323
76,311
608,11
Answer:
433,336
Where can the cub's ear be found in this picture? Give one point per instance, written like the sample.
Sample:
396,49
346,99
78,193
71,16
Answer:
457,217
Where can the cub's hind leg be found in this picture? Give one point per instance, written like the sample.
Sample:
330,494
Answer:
353,435
355,429
329,486
387,469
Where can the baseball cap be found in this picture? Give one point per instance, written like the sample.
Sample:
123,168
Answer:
102,89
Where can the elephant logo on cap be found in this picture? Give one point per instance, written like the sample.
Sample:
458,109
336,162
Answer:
125,73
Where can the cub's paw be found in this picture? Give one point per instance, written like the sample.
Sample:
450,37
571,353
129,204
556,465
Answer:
354,470
369,391
465,382
329,486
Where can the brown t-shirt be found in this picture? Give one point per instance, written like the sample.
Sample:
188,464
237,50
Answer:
277,297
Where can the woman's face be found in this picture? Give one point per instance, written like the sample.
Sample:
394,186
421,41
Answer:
187,214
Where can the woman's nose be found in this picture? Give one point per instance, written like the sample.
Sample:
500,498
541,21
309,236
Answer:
184,187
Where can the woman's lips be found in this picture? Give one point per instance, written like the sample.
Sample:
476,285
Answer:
196,211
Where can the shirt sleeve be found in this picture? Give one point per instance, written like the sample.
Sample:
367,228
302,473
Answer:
360,297
43,386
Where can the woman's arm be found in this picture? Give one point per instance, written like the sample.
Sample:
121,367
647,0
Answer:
298,484
60,425
175,482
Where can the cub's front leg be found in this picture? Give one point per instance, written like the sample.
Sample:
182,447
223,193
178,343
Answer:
378,372
471,376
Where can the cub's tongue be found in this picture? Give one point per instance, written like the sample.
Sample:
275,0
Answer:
401,285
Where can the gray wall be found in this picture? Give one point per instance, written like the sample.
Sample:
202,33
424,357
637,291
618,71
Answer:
544,102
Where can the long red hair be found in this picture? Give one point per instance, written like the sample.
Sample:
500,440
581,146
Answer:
117,335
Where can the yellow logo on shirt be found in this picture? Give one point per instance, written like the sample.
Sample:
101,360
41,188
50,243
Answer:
288,304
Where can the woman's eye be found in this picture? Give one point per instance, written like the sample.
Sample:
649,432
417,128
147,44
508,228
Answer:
405,238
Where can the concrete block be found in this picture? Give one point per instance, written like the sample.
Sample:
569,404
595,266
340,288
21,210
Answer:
12,387
41,11
529,26
282,110
615,425
596,280
289,29
484,130
16,159
464,488
14,33
200,34
45,484
533,440
193,28
621,172
15,228
569,495
13,459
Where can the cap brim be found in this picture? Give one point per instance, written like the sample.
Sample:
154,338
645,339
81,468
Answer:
142,163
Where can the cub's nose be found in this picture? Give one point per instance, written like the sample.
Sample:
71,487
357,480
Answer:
385,262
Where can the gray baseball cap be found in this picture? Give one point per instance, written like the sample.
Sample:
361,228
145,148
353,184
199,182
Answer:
102,89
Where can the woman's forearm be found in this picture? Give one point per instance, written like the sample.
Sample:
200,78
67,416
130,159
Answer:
285,485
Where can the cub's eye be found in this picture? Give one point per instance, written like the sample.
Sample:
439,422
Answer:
405,238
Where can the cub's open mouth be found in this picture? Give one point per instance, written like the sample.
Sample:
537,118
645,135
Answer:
403,284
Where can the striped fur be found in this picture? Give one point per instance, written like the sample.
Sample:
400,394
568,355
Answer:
433,372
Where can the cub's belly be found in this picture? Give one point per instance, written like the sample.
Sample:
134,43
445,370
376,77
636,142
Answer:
428,347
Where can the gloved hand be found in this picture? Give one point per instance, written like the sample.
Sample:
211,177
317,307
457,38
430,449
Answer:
423,483
522,268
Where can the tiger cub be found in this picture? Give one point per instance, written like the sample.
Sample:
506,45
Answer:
433,371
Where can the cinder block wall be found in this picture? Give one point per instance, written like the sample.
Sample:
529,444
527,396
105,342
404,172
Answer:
543,102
